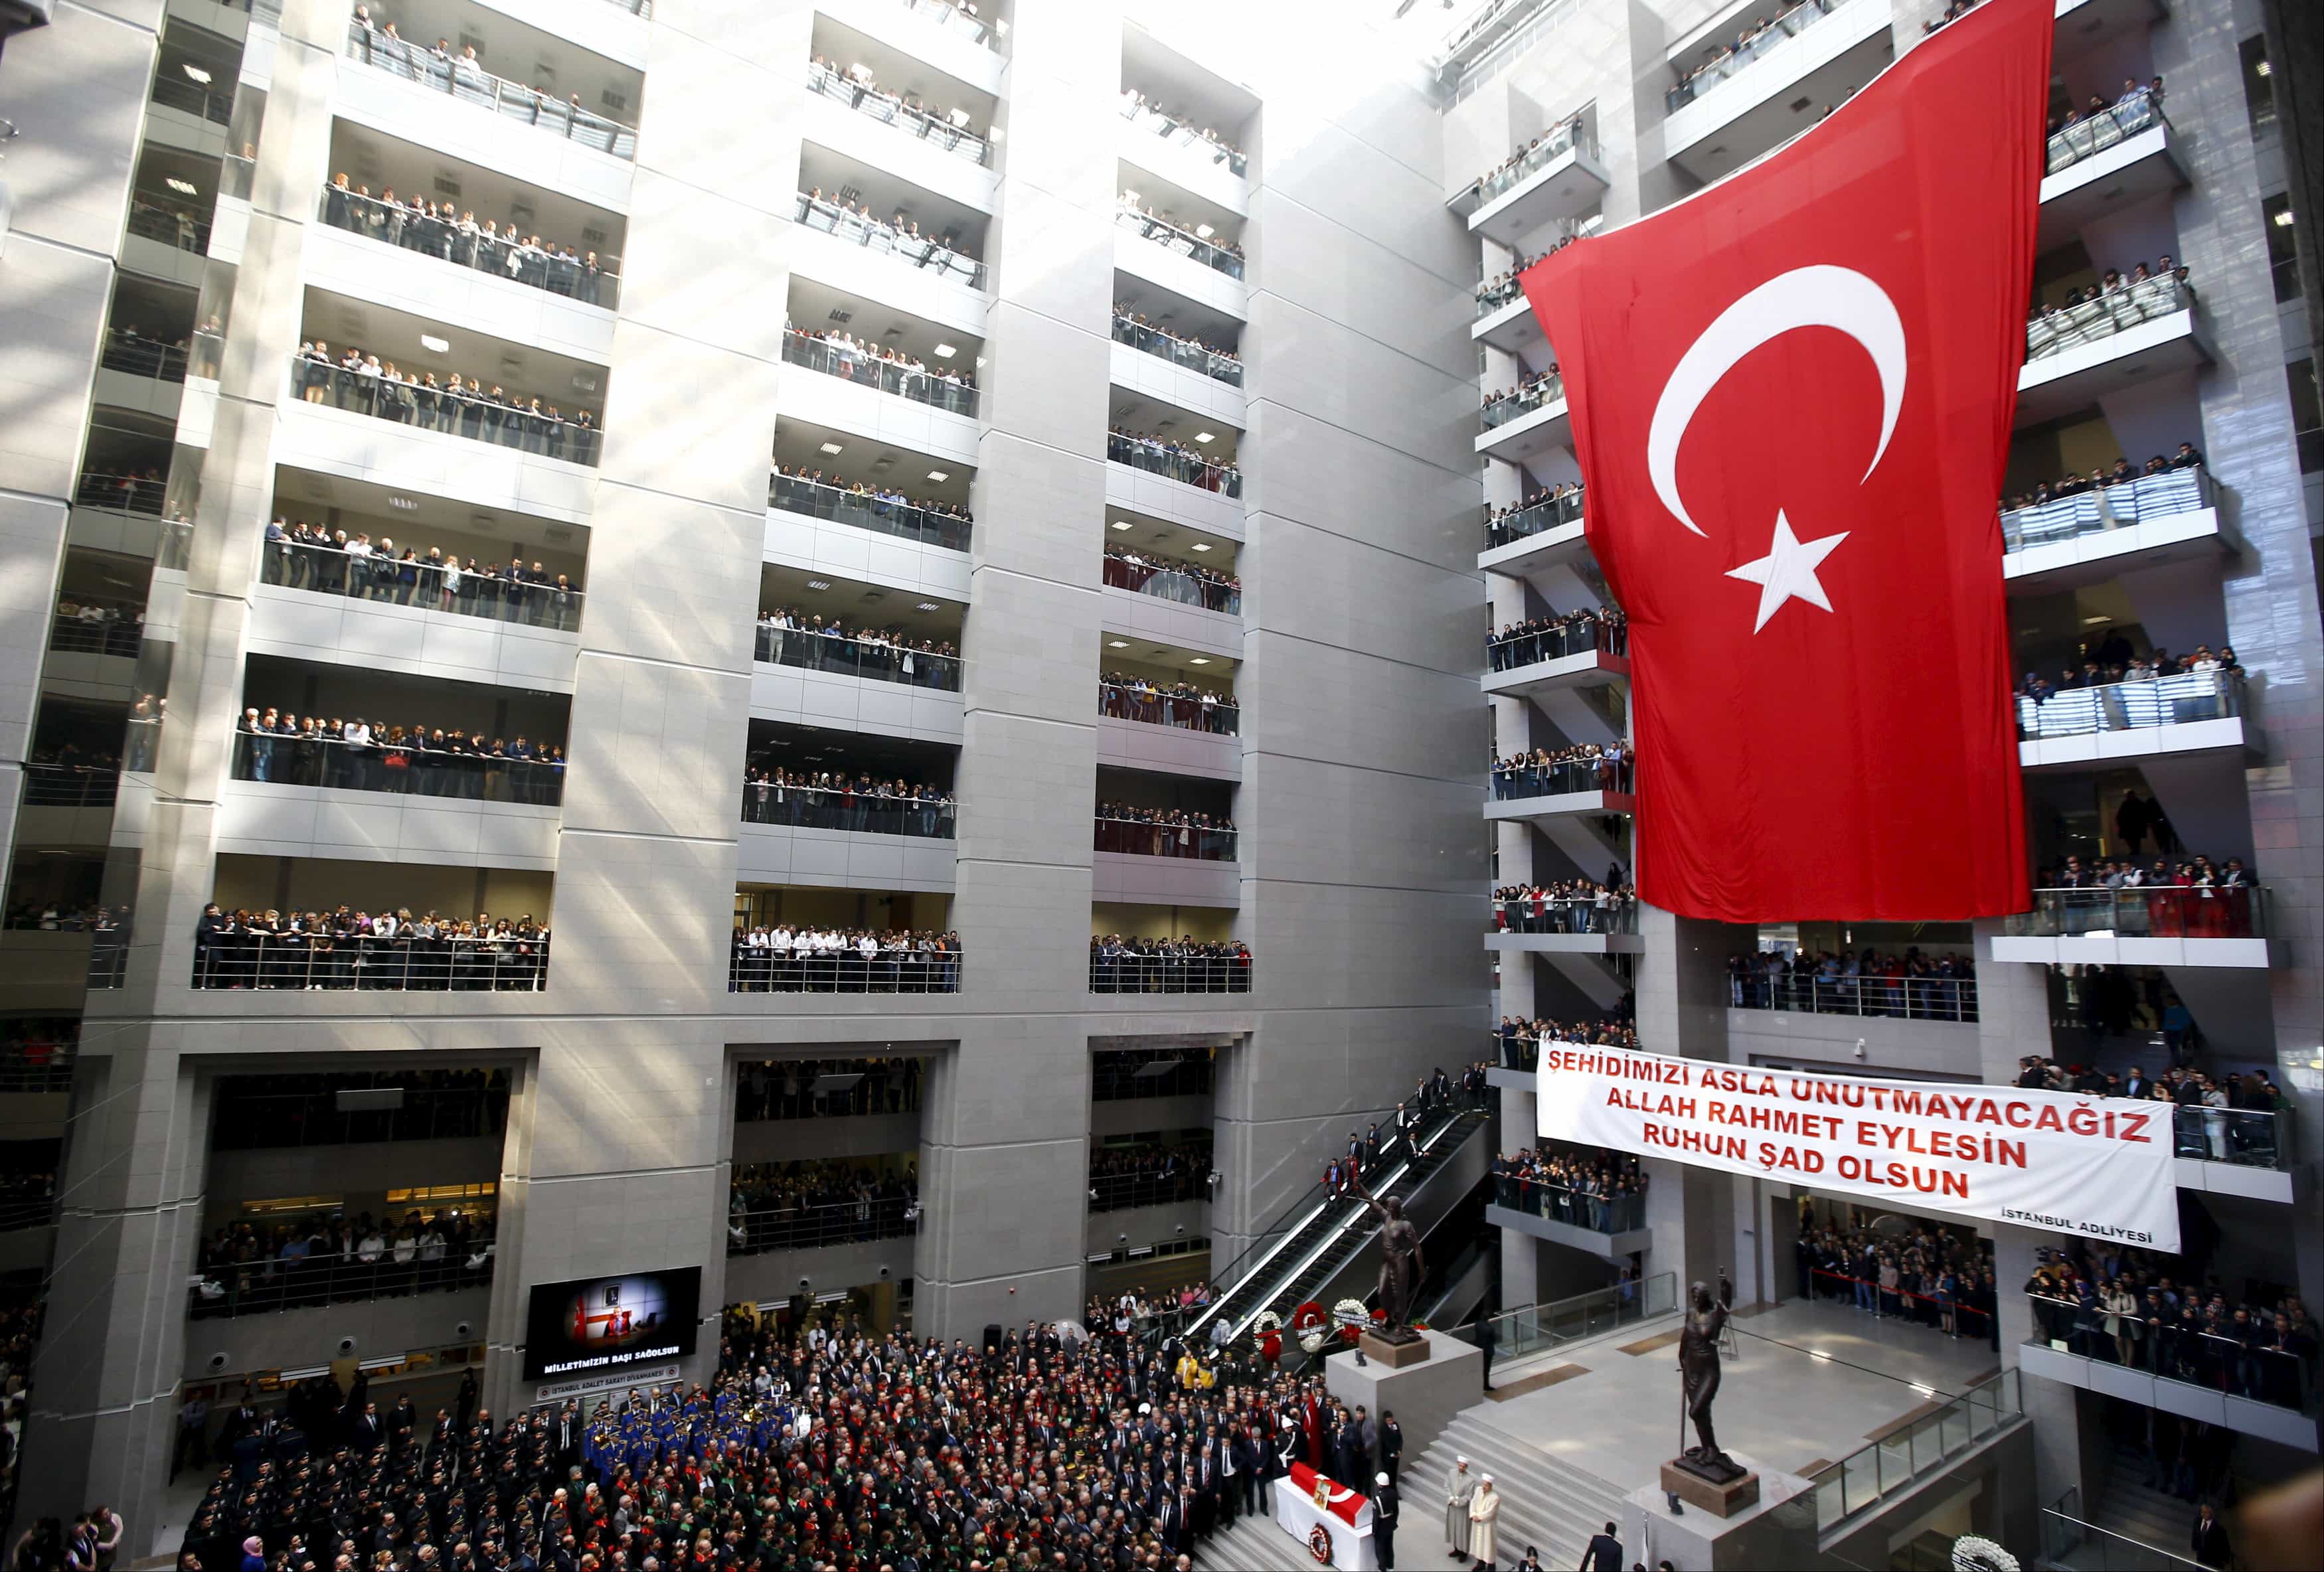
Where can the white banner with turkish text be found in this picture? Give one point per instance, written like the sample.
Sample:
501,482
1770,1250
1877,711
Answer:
2096,1166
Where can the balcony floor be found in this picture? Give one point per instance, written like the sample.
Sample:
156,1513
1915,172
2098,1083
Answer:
1593,668
2077,377
2095,557
1558,806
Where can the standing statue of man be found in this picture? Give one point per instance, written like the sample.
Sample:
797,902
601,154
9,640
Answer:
1400,1264
1698,1363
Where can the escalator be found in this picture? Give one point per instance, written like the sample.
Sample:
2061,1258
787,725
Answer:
1326,1247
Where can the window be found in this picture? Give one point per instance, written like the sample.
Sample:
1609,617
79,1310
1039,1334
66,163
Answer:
2283,245
2307,415
2259,89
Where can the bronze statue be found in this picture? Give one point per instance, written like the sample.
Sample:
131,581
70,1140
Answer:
1698,1363
1401,1267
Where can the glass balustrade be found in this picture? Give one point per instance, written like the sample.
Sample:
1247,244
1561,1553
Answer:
192,98
856,812
1534,519
1555,145
854,363
1598,1212
427,583
2123,706
1904,997
140,357
1164,582
826,217
2153,1342
410,960
905,966
815,650
1787,25
1187,712
2157,912
1549,914
177,227
1550,389
306,1281
1177,350
1173,463
2059,329
503,422
955,18
754,1232
1201,247
1563,777
2098,130
2103,509
859,509
590,278
1569,639
1150,838
1168,966
402,767
947,133
470,83
1914,1452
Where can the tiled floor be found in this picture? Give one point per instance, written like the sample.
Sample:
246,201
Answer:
1777,1400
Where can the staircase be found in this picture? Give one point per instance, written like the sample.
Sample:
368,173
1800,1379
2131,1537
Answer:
1324,1236
1550,1505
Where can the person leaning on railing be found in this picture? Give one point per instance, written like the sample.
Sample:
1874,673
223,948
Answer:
788,637
303,556
2172,898
1586,766
855,86
1126,827
860,360
778,959
364,383
1557,635
2103,478
1519,1041
1575,905
437,229
1164,965
2110,306
1140,570
811,491
1125,696
1153,1174
1915,985
1541,148
2131,111
354,949
244,1268
1603,1191
843,800
1175,460
2131,1307
1532,388
278,746
2112,660
805,1204
1546,510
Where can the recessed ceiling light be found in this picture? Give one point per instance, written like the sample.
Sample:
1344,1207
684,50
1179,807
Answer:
408,504
196,74
1117,644
1205,437
939,474
2092,621
946,351
2284,220
2263,69
1202,546
1204,232
435,345
1122,524
183,188
832,447
818,583
1198,660
928,606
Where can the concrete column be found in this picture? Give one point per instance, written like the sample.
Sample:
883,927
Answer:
1007,1112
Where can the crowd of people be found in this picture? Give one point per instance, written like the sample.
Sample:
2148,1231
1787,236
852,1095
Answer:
1143,831
1136,329
1751,40
1567,906
852,219
1953,12
868,507
2114,302
140,355
787,636
1137,106
1938,1277
806,1203
353,949
1173,460
314,556
786,1088
354,755
2188,897
1189,706
777,958
1916,985
852,801
375,41
2123,474
1169,578
69,916
1527,157
1602,1192
1556,635
2113,660
451,234
950,128
878,365
1519,1041
1545,509
1585,767
245,1268
354,379
1201,242
21,1306
1155,1173
1534,389
28,1197
127,488
2223,1118
1120,964
2101,122
2130,1307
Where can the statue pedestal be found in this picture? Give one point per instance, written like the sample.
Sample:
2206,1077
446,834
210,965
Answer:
1776,1527
1412,1348
1719,1497
1425,1392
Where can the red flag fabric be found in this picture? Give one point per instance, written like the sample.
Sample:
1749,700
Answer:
1792,395
1345,1503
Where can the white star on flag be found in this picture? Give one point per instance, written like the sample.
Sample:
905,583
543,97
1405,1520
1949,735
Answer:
1788,571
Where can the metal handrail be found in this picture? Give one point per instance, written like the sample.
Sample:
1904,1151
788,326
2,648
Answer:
1914,998
1118,1192
848,655
1180,585
946,133
2146,911
1177,350
2086,1331
1564,138
1531,1328
1569,639
202,103
862,510
140,357
1549,390
1179,134
1785,27
2118,310
1161,838
865,368
271,1121
2063,1533
498,255
749,970
1160,458
1186,243
1121,702
825,218
472,84
426,409
1594,1211
1611,773
398,768
2163,495
261,1287
175,227
122,493
2125,117
808,807
2162,701
119,637
1534,519
434,585
314,961
755,1233
71,785
1168,972
1871,1472
1566,914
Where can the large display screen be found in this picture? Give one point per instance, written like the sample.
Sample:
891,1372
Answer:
607,1324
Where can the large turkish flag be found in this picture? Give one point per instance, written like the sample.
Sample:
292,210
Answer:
1791,396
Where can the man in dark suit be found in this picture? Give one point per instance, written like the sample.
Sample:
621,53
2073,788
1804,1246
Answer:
1387,1507
1391,1445
1488,1337
1350,1467
2209,1542
1603,1553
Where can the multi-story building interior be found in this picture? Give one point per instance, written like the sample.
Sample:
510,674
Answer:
579,565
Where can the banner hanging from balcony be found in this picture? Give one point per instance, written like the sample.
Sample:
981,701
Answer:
2102,1168
1792,395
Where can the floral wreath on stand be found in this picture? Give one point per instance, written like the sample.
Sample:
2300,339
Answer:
1266,1328
1973,1554
1353,1316
1319,1545
1311,1325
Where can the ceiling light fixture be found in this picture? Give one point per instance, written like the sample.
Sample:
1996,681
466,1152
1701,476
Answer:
408,504
196,74
1202,546
834,447
435,345
1204,232
183,188
1205,437
2284,220
818,583
1198,660
946,351
930,606
1117,644
1122,524
939,474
